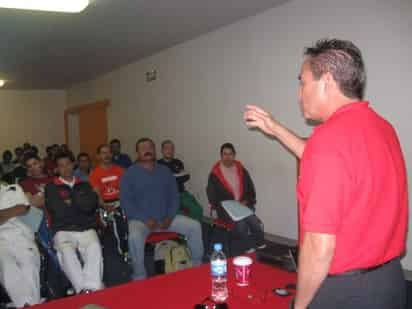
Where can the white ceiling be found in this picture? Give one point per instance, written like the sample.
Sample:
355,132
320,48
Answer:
41,50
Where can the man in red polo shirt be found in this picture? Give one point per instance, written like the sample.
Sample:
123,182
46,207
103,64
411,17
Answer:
352,189
105,179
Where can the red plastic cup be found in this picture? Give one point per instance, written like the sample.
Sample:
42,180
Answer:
243,267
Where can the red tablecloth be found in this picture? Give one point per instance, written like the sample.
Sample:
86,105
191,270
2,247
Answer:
182,290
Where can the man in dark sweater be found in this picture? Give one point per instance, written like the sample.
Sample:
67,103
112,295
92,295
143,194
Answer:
229,180
72,206
189,206
119,158
175,165
149,196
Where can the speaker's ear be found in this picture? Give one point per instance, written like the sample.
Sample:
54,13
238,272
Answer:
328,81
322,86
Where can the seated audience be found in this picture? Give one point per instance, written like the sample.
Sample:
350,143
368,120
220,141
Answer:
34,150
229,180
7,166
175,165
55,149
64,148
36,180
72,206
49,163
105,180
18,153
19,255
19,172
26,147
84,166
189,206
150,199
119,158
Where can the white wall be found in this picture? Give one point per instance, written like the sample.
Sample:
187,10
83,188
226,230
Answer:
204,84
73,123
31,116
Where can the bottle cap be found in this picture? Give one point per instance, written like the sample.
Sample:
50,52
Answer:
217,247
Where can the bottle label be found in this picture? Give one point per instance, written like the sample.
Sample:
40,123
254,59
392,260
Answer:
218,268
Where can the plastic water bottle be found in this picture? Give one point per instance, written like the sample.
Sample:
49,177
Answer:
218,267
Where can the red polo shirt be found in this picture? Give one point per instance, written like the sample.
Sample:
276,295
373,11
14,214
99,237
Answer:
352,184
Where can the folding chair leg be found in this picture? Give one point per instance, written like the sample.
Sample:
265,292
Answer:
228,242
210,234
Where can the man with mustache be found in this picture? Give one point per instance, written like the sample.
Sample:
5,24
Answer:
150,199
105,179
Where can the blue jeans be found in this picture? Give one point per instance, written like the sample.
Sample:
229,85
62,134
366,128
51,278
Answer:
138,232
252,225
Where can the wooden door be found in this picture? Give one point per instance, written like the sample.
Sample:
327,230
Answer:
93,130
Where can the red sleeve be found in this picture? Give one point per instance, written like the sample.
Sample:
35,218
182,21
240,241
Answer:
121,172
27,186
94,179
323,184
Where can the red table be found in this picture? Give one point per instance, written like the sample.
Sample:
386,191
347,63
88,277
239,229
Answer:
183,289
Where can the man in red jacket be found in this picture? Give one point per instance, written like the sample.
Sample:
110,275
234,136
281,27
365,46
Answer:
229,180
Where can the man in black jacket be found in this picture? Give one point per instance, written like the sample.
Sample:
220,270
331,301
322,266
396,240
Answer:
176,166
189,206
72,206
229,180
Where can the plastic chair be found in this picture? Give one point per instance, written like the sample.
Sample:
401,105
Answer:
156,237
